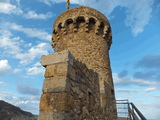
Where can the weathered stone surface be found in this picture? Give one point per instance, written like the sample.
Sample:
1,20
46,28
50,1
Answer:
57,57
50,71
55,84
68,90
51,116
62,69
46,103
76,90
54,102
71,72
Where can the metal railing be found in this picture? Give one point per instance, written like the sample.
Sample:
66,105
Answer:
128,110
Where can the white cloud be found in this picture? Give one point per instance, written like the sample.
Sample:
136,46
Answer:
31,32
32,53
8,8
18,2
12,46
138,12
158,7
34,15
150,89
5,68
35,70
5,1
17,70
150,110
155,96
29,105
138,15
26,88
131,81
2,84
127,90
49,2
9,43
37,64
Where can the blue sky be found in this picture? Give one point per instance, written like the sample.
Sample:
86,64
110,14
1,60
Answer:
25,35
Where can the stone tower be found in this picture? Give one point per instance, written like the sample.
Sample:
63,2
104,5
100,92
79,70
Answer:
78,81
86,33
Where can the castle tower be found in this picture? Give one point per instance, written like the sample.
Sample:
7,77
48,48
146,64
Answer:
78,81
86,33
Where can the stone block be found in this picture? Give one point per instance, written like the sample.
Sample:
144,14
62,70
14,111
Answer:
56,84
62,69
50,71
56,102
51,116
57,57
46,103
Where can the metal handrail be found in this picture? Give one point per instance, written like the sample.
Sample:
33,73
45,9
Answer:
138,112
133,112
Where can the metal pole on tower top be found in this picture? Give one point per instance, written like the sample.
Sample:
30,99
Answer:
68,4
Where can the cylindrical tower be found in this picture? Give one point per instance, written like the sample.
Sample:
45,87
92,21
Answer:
86,33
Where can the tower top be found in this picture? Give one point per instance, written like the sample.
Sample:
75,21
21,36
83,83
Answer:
93,20
83,11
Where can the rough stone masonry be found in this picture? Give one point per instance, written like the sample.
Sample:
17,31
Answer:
78,81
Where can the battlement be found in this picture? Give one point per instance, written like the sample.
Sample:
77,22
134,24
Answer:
80,20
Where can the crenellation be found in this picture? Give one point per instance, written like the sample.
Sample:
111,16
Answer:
87,25
80,24
105,31
97,27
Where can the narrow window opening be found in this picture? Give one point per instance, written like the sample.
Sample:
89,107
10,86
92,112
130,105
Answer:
80,21
91,24
69,21
68,24
101,28
60,26
54,32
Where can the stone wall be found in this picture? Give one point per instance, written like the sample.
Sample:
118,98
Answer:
70,90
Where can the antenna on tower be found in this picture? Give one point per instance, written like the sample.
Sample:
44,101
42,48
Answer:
68,4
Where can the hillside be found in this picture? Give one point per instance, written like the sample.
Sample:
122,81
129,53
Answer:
11,112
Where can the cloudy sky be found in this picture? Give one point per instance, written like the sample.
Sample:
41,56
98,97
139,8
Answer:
25,35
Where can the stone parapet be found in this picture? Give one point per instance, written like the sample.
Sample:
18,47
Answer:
70,90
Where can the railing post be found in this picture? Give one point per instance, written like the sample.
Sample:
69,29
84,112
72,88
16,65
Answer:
138,112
